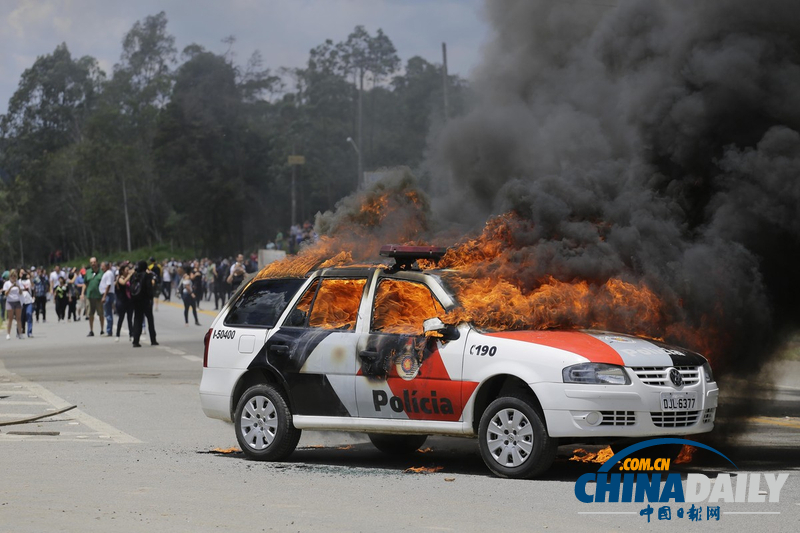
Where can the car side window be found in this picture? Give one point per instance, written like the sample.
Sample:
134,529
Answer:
329,304
336,304
402,306
262,303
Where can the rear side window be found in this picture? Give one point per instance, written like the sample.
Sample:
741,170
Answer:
331,303
263,302
336,304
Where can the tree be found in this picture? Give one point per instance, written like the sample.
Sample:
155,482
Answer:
47,115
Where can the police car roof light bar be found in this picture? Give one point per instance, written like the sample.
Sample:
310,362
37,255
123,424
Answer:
405,256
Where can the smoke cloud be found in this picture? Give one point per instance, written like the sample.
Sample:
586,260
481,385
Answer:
654,142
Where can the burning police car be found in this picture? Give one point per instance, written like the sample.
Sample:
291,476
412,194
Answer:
365,349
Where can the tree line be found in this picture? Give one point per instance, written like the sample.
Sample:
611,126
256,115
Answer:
191,148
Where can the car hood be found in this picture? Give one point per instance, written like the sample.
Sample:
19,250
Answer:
608,347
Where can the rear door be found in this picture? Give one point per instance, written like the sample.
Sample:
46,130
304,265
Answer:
236,339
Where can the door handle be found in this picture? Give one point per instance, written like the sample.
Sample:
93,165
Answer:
281,349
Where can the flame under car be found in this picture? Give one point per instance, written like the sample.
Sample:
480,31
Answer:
370,349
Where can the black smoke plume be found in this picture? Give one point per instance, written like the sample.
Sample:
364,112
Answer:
651,141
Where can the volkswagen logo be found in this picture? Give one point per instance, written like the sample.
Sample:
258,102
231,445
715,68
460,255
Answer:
675,377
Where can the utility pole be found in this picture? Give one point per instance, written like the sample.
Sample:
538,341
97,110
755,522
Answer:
360,148
444,81
358,155
125,209
294,161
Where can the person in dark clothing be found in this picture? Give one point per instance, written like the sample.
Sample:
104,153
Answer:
188,295
124,305
142,303
73,295
41,288
62,297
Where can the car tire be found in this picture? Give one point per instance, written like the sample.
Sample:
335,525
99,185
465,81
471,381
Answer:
263,424
513,439
397,444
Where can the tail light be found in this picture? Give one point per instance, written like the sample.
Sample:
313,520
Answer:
206,341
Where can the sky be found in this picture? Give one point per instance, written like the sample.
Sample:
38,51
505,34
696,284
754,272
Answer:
282,30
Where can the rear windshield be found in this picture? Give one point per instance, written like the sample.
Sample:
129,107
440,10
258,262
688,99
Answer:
263,302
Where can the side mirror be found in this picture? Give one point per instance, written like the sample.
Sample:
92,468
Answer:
443,331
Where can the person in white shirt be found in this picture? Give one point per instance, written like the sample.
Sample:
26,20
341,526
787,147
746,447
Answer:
26,299
54,275
108,298
13,293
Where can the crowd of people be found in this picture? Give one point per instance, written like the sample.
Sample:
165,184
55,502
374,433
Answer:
123,291
299,236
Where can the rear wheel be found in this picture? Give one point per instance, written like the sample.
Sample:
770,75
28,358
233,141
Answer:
397,444
263,424
513,440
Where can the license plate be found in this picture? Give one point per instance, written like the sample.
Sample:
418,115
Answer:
678,401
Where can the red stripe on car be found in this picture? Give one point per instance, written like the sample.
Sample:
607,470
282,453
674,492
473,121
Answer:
576,342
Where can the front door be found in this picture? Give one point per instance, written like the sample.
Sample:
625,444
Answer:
403,374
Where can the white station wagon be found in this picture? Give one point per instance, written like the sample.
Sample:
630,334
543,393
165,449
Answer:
364,349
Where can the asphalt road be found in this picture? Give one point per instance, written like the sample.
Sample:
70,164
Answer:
137,454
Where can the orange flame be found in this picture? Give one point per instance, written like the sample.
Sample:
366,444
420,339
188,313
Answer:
495,277
686,454
401,306
226,450
600,457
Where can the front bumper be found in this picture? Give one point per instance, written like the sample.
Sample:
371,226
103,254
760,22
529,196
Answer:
588,411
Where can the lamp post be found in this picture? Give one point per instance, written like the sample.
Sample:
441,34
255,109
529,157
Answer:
358,153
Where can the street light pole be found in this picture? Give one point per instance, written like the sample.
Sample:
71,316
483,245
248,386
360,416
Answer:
360,168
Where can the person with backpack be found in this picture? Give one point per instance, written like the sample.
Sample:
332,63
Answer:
142,287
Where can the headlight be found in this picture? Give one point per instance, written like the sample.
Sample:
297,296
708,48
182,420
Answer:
707,371
597,373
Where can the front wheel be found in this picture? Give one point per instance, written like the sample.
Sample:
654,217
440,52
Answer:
513,440
263,424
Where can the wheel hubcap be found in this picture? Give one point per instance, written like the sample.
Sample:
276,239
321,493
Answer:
259,422
510,437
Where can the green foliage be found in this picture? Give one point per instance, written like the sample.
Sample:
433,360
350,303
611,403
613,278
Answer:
195,153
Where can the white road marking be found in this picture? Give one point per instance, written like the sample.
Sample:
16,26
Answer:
193,358
91,422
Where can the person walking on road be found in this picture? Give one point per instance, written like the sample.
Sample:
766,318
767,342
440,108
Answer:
61,298
27,301
155,269
91,293
142,287
166,281
124,304
13,294
109,297
41,288
188,295
73,295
